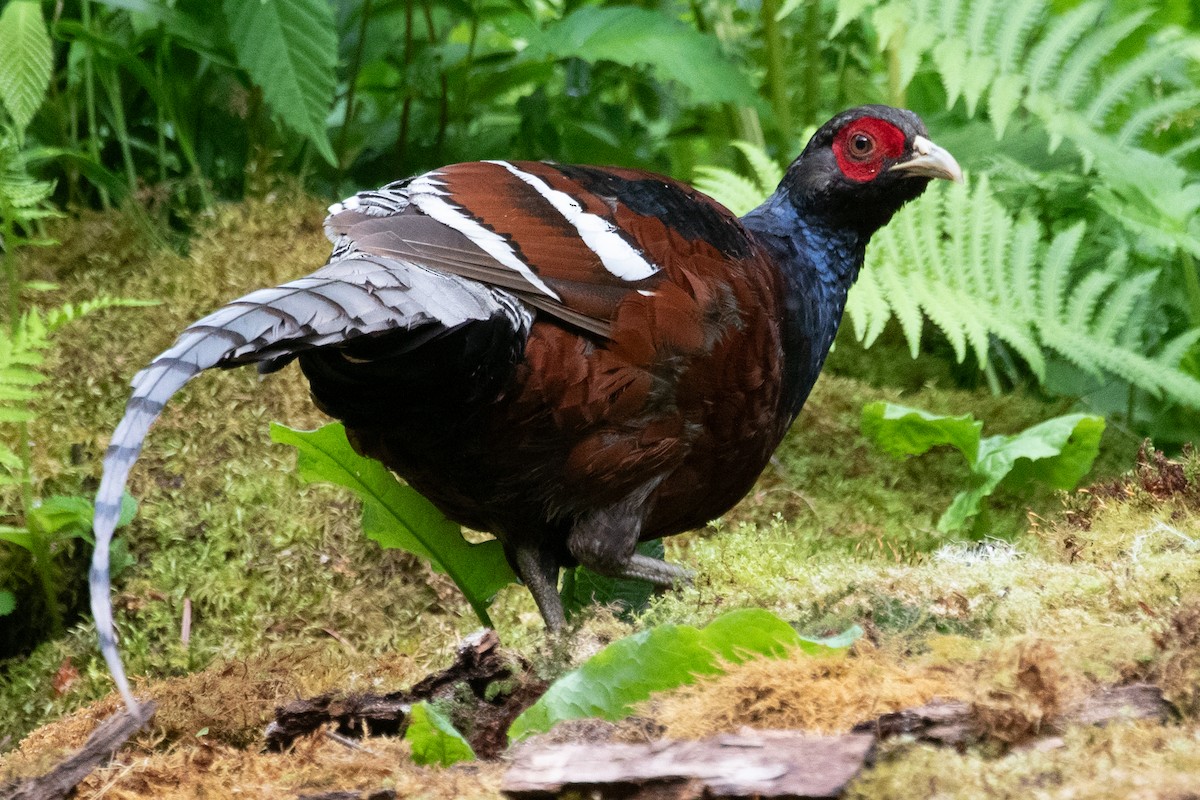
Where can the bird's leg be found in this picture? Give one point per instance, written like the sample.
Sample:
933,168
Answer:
538,569
605,542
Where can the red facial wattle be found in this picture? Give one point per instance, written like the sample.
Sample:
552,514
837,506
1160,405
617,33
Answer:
863,163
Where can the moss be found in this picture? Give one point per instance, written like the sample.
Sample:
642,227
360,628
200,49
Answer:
800,692
1119,762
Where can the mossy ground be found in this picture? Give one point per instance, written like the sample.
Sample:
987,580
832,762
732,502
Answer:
289,599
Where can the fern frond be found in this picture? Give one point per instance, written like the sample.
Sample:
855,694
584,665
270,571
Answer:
977,274
1056,269
1015,26
1174,351
985,51
737,193
1063,33
1158,111
1119,306
767,173
1185,149
1082,61
67,313
1120,84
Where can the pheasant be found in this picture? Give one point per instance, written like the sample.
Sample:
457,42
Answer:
573,358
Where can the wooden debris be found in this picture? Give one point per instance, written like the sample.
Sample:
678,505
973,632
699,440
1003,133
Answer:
940,721
952,722
61,781
1117,703
478,665
767,764
371,794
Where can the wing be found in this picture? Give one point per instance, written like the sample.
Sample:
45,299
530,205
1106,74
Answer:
574,242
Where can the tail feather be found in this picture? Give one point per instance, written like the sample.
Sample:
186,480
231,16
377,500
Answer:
358,296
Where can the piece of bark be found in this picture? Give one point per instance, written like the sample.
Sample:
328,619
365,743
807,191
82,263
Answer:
479,664
767,764
1116,703
940,721
951,722
368,794
61,781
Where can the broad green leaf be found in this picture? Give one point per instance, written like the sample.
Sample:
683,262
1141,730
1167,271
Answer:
19,536
434,740
68,516
289,48
8,602
628,671
62,514
900,431
25,60
1057,452
397,516
631,36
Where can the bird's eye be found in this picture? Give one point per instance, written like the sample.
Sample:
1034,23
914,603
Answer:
861,146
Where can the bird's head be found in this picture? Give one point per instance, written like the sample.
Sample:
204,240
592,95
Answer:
865,163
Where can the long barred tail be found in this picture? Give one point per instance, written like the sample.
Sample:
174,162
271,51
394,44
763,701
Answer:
359,295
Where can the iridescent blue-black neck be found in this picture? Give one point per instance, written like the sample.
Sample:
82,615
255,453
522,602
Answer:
820,261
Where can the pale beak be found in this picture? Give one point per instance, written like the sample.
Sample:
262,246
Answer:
930,161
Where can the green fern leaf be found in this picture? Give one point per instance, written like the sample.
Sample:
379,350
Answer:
848,11
1118,85
1064,32
737,193
1087,294
1082,61
25,60
289,48
1056,268
1174,351
1115,315
1016,23
767,172
868,310
978,24
950,57
1003,101
1149,116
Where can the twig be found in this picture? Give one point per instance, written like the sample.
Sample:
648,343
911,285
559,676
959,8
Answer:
61,781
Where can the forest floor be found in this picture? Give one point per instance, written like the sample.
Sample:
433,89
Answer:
287,599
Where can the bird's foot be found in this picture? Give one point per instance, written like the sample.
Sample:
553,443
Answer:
656,571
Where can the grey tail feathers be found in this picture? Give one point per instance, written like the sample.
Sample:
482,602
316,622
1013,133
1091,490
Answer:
356,296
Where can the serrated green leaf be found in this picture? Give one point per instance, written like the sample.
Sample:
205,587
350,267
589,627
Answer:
289,48
767,172
901,431
25,60
1003,100
847,12
434,739
628,671
397,516
950,56
631,36
731,190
